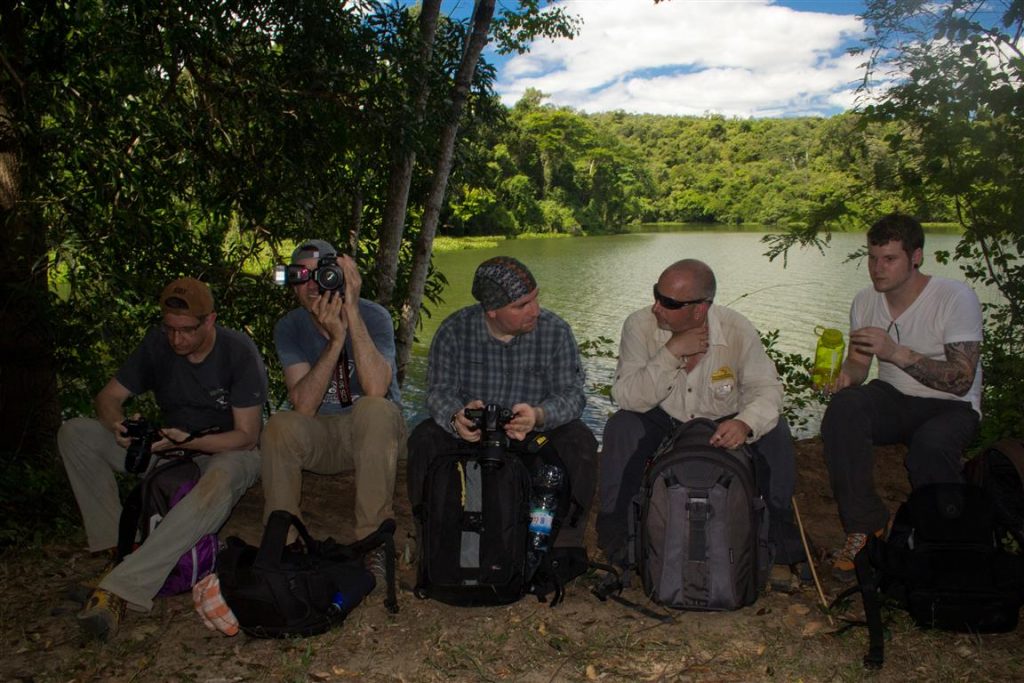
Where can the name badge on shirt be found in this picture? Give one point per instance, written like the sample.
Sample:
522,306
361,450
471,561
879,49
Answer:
723,382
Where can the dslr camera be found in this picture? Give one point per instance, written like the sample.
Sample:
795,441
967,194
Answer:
491,421
327,274
140,450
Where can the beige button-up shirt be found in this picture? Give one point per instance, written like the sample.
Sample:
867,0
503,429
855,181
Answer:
735,376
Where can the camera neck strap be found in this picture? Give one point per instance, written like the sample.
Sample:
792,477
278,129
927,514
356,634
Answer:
341,380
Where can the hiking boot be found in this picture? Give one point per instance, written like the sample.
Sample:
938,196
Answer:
375,562
102,614
783,579
842,563
81,591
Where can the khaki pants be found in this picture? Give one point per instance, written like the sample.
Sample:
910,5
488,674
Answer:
368,439
91,456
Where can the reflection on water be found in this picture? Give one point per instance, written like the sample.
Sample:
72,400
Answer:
595,282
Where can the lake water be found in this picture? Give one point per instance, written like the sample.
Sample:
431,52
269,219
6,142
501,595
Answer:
595,282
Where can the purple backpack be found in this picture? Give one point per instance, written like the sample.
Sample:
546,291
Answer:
144,509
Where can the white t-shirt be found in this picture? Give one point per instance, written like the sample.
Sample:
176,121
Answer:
945,312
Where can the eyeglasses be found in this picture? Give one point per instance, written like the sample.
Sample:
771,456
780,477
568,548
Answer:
672,304
186,331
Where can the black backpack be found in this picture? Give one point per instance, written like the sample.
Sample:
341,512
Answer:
944,563
999,471
474,527
698,526
277,591
146,506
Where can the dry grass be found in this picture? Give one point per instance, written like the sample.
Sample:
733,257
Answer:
780,638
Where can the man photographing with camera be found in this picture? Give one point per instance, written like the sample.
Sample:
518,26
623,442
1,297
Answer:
338,355
210,385
507,351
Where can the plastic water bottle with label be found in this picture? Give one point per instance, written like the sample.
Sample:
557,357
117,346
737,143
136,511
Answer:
548,480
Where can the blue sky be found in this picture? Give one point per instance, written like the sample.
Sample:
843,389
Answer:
743,58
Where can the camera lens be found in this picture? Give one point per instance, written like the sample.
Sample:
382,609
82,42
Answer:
330,278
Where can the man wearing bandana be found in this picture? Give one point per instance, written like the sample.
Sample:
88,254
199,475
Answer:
338,355
508,351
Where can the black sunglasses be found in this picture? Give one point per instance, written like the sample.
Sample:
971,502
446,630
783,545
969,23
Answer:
672,304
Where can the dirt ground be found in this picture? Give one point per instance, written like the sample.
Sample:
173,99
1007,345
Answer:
782,636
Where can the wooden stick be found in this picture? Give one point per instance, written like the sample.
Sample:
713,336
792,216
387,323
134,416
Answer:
810,562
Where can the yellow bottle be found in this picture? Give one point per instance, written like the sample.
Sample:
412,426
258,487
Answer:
828,356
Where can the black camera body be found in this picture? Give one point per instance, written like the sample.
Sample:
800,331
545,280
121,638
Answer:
143,435
491,421
327,275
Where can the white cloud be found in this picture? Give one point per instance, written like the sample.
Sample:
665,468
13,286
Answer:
737,58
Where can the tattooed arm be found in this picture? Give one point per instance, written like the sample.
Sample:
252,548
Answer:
953,375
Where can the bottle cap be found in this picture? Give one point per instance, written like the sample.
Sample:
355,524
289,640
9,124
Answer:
831,336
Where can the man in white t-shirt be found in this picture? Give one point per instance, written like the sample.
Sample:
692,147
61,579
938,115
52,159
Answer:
926,332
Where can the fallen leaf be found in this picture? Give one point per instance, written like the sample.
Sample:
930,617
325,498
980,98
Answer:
799,609
591,672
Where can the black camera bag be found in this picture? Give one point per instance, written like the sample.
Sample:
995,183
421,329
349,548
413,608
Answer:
277,591
944,563
473,525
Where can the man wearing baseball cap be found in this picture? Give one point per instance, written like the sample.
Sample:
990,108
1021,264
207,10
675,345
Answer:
508,351
210,385
338,355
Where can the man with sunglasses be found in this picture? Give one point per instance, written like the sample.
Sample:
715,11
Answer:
685,358
337,351
926,333
210,385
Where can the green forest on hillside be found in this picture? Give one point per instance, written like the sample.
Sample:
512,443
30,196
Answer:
142,140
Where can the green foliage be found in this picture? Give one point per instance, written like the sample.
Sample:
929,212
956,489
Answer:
795,372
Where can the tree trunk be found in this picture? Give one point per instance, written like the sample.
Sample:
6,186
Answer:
475,42
403,161
29,410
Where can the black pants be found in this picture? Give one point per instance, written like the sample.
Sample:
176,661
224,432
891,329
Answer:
574,443
936,432
630,438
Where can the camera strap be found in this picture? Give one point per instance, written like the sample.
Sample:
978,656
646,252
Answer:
341,380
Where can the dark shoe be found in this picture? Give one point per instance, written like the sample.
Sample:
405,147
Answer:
783,579
375,562
102,614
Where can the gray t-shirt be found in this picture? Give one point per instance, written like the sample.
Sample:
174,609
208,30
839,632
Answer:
197,396
299,341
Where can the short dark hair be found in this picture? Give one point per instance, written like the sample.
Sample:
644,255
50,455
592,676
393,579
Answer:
897,227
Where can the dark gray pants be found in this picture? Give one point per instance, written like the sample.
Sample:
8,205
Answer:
936,432
574,443
631,438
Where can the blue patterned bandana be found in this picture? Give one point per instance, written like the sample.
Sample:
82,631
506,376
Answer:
500,281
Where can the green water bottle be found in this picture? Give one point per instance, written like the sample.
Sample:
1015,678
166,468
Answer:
828,356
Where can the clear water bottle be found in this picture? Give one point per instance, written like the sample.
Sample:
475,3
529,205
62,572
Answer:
828,356
548,480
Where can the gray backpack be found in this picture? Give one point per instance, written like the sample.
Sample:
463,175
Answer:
698,526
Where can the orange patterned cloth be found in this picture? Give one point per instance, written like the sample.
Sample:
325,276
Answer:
212,609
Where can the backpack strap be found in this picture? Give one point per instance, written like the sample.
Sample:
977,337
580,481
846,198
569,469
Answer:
274,535
868,580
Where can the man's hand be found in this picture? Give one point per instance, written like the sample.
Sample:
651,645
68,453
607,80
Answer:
120,431
874,341
688,342
524,419
353,281
173,438
327,311
464,427
730,434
